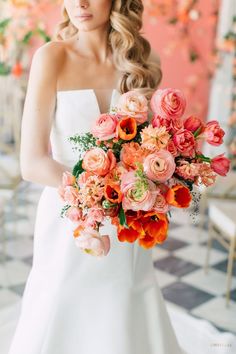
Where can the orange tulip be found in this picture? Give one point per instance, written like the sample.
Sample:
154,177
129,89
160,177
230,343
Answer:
179,196
149,228
127,128
112,192
78,230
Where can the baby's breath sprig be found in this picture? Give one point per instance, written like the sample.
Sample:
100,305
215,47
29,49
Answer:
82,142
64,209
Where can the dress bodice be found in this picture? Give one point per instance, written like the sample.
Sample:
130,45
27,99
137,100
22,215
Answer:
75,112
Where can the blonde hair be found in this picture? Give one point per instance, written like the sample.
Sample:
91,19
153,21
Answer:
130,49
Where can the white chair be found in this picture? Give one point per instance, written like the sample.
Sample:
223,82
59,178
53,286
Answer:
222,226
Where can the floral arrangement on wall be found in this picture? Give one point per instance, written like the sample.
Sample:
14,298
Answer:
20,22
185,36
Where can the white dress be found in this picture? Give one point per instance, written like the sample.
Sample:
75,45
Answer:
74,303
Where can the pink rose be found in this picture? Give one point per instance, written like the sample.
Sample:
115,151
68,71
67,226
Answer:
168,103
185,142
193,124
161,205
69,195
68,179
99,162
159,166
213,133
74,213
133,104
137,194
104,127
91,242
220,165
172,125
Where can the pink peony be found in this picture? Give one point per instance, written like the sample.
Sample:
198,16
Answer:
168,103
133,104
138,194
91,242
213,133
220,165
185,142
159,166
104,127
97,161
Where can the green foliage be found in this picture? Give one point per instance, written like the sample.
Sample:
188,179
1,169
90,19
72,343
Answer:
77,169
82,142
63,211
122,218
3,25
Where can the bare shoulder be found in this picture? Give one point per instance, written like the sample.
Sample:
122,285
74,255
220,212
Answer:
154,56
51,55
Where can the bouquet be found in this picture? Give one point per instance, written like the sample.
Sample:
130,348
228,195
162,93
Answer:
133,168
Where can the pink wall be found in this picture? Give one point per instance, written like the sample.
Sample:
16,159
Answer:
178,71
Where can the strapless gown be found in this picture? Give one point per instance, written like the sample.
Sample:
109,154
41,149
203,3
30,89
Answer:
74,303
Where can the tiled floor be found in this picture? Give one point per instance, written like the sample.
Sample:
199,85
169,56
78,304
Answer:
178,263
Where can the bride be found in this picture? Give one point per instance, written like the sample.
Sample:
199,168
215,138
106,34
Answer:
74,303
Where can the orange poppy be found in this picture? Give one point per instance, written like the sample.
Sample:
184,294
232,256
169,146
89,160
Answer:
127,128
179,196
112,192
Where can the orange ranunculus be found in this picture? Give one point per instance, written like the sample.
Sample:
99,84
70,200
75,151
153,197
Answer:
179,196
127,128
112,192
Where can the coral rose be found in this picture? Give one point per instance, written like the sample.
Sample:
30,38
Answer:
97,161
104,127
159,166
133,104
168,103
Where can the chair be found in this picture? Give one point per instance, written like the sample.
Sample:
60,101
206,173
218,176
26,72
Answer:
222,226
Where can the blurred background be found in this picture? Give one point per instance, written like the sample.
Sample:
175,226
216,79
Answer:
196,41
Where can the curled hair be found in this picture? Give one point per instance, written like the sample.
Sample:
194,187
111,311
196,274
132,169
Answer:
131,51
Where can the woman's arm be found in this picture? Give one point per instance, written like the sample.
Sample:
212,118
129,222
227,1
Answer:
35,161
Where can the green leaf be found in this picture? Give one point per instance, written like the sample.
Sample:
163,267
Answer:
3,24
122,218
78,169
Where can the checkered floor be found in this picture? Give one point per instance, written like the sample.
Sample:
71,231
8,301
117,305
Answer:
178,263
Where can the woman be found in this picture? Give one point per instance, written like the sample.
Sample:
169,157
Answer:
74,303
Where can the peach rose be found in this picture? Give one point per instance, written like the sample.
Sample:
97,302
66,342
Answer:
168,103
133,104
185,142
159,166
91,242
104,127
97,161
138,194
